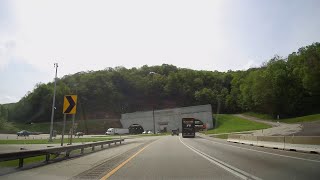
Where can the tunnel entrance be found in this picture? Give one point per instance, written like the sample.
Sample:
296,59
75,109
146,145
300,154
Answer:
135,129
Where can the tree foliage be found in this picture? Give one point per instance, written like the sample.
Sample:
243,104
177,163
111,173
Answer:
282,86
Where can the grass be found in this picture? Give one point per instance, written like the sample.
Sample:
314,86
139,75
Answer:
7,127
229,123
308,118
55,141
14,163
93,125
259,115
35,127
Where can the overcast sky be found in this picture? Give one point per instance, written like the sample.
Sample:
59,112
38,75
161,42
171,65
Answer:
92,35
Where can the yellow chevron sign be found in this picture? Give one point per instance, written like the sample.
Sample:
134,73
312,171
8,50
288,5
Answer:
70,104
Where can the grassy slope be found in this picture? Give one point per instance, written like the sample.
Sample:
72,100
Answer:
308,118
258,115
230,123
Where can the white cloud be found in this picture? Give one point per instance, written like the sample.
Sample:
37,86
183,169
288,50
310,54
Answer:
250,64
7,48
83,35
8,99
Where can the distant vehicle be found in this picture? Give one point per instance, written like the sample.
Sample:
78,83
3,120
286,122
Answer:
145,132
150,132
175,132
115,131
79,134
188,127
23,133
135,129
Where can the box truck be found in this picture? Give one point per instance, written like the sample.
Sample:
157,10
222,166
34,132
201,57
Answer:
115,131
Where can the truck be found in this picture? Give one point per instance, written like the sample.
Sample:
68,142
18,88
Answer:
117,131
188,127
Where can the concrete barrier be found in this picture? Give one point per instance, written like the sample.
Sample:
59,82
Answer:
295,143
314,140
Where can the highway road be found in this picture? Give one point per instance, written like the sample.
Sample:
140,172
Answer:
174,157
200,158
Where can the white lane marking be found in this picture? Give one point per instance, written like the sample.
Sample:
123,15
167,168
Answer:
317,161
235,171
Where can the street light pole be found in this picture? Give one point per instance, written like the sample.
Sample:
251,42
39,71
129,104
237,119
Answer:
154,122
53,102
216,119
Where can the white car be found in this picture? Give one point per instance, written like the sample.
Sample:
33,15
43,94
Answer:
150,132
144,132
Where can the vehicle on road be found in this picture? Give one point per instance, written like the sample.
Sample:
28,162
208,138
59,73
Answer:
23,133
135,129
175,132
79,134
188,127
150,132
115,131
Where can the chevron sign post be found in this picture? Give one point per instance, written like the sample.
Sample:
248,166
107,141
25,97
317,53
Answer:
69,107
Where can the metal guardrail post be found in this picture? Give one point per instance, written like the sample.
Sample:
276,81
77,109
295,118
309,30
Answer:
67,153
82,150
109,145
92,148
101,146
20,162
48,157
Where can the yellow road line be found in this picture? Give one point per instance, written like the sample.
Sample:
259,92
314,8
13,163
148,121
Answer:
124,163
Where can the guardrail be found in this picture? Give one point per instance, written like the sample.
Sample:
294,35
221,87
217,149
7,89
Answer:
53,150
292,143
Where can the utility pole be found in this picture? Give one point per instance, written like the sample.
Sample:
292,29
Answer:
53,102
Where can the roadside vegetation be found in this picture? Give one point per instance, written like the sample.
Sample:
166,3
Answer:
55,141
259,115
314,117
308,118
286,86
14,163
229,123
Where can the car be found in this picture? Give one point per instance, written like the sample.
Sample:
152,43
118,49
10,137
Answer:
145,132
150,132
175,132
23,133
79,134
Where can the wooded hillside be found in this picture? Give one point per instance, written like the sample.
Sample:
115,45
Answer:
286,86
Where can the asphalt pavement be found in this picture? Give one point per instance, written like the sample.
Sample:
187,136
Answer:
200,158
174,157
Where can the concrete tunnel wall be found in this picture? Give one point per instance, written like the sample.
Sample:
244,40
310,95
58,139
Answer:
169,118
